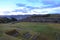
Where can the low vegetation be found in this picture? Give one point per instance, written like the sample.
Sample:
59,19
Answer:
45,31
7,20
12,29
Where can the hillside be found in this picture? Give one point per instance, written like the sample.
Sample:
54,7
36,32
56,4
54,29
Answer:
53,18
33,27
29,31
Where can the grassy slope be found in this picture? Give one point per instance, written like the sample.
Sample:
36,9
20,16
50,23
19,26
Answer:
46,28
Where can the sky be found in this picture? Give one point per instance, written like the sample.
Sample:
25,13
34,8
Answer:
29,7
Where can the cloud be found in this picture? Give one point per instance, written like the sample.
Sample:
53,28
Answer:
33,1
20,5
26,10
51,3
55,10
30,7
20,10
32,4
6,12
34,11
46,3
36,7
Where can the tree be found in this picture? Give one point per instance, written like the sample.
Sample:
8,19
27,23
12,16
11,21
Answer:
48,15
13,19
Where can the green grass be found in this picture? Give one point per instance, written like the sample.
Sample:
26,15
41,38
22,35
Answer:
44,28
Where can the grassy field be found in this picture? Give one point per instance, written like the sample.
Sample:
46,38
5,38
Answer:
48,29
